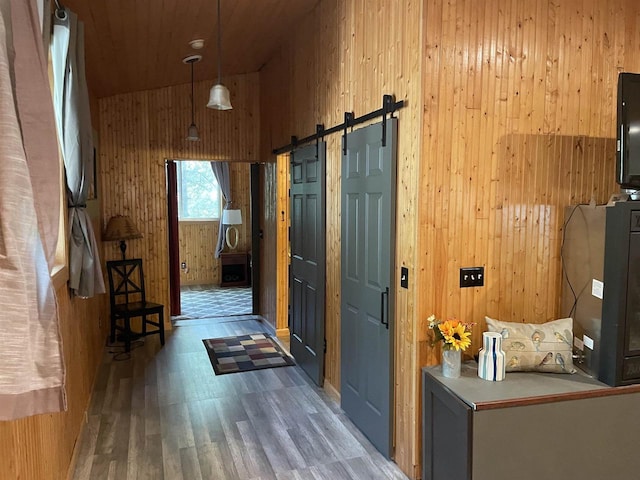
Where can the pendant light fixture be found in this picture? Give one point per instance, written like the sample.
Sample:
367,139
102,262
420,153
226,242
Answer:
219,95
192,133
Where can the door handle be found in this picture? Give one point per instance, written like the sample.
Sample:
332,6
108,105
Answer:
384,312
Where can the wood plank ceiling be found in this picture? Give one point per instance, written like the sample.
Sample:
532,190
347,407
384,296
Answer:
139,45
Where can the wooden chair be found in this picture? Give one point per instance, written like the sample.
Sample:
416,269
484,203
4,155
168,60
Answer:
128,300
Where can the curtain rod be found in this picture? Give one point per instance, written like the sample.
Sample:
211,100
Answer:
389,106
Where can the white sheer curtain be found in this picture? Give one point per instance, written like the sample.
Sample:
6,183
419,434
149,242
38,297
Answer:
71,101
31,361
221,172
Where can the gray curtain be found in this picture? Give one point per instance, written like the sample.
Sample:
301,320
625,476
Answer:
31,360
71,101
221,172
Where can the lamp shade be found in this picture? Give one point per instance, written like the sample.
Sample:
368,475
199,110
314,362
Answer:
232,217
219,98
120,227
192,133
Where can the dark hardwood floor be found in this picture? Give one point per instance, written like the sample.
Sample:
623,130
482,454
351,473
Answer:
164,414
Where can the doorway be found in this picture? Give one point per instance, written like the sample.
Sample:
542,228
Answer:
203,286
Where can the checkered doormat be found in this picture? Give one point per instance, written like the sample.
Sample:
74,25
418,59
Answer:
244,353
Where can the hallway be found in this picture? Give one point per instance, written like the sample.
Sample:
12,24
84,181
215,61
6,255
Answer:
165,414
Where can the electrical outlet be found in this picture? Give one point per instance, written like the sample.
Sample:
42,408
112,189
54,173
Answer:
183,265
471,277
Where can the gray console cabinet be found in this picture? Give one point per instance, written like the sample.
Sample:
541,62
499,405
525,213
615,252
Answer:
446,439
531,426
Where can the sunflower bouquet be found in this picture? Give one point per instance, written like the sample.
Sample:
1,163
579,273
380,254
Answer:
454,334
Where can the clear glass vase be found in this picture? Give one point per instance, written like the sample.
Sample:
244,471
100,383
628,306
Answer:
451,360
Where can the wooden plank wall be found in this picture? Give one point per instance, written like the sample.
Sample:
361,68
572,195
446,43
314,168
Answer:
519,122
197,246
42,446
520,114
344,57
283,248
140,130
241,195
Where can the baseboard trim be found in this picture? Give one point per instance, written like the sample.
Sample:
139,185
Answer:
332,391
282,332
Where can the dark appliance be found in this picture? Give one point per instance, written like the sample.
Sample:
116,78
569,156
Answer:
628,132
620,331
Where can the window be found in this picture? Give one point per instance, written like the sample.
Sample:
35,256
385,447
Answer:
60,271
198,191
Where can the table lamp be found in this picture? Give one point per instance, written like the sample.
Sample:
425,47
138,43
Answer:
121,228
231,218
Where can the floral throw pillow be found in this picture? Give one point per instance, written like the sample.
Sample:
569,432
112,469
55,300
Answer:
531,347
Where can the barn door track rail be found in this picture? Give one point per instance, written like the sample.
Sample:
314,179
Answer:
389,107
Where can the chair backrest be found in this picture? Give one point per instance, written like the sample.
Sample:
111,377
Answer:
126,281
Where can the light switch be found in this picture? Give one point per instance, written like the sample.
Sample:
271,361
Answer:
404,277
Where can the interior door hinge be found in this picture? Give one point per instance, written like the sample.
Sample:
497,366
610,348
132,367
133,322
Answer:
325,345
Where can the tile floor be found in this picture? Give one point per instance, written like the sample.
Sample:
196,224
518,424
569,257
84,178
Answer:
207,301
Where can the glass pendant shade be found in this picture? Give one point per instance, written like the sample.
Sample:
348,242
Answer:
219,98
192,133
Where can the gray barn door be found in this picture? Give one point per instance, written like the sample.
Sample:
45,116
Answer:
307,277
368,233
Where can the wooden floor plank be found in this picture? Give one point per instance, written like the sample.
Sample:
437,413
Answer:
191,464
151,467
216,461
162,413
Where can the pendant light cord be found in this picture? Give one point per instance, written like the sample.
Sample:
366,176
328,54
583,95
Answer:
193,116
219,46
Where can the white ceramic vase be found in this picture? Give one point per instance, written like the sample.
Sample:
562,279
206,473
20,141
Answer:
451,360
491,364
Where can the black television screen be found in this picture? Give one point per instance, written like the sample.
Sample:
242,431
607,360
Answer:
628,144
